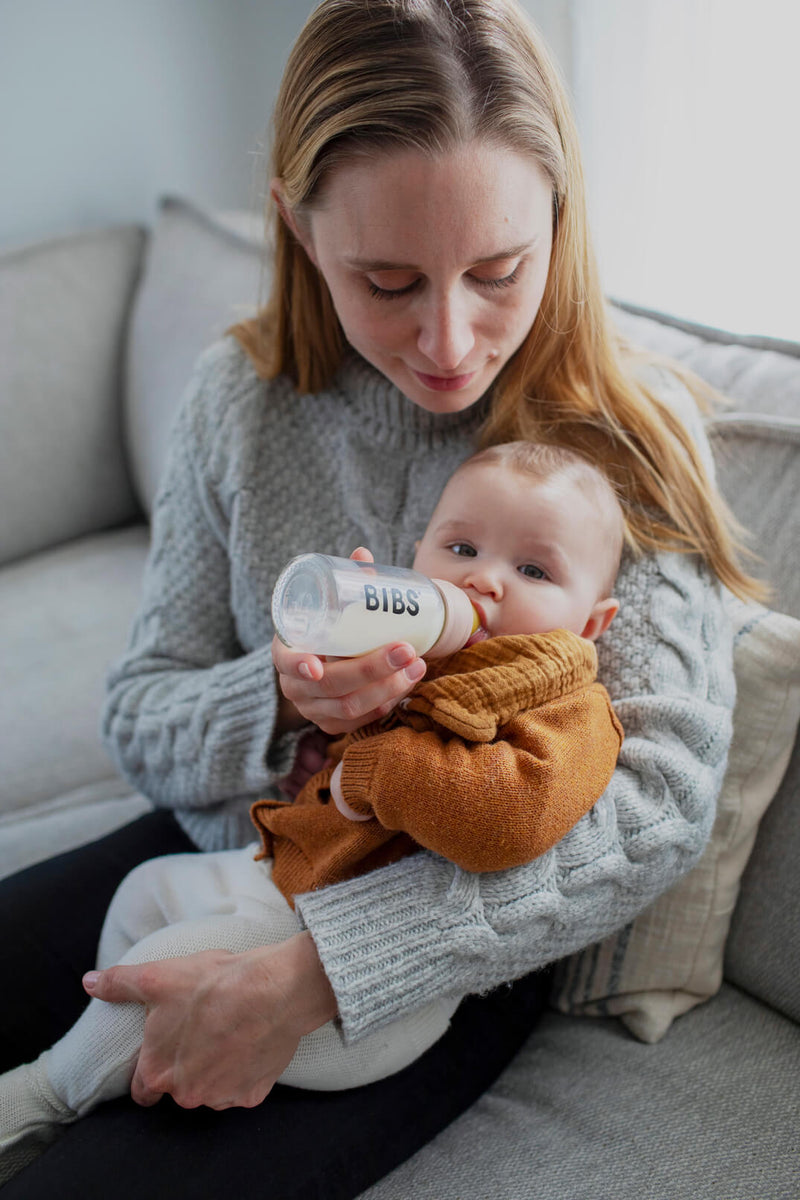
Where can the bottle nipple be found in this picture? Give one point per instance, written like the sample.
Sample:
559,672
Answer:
460,621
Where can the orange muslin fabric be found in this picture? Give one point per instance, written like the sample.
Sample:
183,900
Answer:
494,756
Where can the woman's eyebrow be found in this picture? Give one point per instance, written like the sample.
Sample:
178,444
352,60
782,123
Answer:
381,264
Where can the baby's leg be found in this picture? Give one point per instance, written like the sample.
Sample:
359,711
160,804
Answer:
94,1061
187,887
232,884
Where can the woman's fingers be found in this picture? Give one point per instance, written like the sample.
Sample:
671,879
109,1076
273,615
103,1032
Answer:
342,714
294,663
141,1092
347,693
220,1028
120,985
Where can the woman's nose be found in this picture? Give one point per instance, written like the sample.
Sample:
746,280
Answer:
445,336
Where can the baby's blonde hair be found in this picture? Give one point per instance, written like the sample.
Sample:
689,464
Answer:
541,461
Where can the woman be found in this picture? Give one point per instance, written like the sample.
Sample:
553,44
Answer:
434,288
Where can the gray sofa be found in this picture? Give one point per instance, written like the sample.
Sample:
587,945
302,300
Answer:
98,333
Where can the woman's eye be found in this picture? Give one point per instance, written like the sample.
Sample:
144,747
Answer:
530,571
504,282
489,283
382,293
463,549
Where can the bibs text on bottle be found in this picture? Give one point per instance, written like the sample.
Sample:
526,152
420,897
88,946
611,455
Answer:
343,608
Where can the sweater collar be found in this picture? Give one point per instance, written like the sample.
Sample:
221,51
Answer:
379,404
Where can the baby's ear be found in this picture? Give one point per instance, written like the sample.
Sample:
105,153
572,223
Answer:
600,618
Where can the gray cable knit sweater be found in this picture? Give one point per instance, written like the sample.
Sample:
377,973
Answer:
257,474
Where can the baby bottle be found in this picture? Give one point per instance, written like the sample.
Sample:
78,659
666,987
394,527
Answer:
343,608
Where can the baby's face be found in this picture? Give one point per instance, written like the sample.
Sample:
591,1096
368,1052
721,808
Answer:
530,554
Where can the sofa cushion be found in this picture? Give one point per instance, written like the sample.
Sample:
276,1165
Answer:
758,471
671,957
65,615
586,1112
763,947
64,307
202,273
66,822
762,375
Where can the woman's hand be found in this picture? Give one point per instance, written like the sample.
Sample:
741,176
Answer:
344,694
220,1027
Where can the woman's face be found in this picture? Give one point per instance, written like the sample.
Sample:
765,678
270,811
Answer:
436,265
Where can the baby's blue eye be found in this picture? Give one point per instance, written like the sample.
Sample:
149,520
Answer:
464,549
532,572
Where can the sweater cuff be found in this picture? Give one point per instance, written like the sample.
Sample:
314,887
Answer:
380,971
282,751
358,766
245,707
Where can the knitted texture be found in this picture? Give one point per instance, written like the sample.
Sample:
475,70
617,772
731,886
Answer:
536,744
257,474
212,901
31,1115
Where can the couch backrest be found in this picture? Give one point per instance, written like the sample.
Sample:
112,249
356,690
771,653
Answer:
203,272
758,462
763,949
64,306
759,470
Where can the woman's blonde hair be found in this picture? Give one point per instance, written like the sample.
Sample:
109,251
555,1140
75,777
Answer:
372,76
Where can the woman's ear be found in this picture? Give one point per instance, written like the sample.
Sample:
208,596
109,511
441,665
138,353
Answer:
297,229
600,618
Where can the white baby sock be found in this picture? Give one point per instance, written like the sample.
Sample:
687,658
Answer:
30,1116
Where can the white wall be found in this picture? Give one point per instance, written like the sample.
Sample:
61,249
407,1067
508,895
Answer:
688,113
106,104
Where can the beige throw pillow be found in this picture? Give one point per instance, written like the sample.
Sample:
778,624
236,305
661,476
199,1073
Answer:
670,958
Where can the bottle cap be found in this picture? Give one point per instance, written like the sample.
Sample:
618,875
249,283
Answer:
460,620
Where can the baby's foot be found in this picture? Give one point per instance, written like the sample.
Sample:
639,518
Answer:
31,1116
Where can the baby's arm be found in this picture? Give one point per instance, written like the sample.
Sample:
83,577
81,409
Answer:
486,806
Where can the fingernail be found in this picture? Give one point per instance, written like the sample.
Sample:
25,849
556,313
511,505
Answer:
305,670
416,671
401,656
90,980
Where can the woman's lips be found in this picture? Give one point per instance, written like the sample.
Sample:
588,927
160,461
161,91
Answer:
445,383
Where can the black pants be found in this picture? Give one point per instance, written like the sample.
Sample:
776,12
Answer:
297,1145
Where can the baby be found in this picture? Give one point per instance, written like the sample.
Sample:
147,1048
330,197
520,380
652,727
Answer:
490,761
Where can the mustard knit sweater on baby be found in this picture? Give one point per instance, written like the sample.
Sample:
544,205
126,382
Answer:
493,757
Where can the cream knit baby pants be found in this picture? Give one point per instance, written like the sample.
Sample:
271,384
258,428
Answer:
173,906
